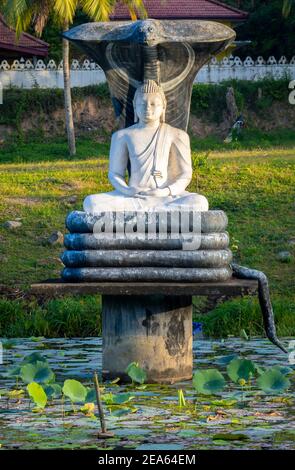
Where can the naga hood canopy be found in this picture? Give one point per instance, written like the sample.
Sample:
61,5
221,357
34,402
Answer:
169,52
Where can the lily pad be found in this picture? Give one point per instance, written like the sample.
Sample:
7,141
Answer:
38,372
38,394
75,391
239,369
34,358
230,437
224,360
273,381
136,373
53,390
208,381
156,446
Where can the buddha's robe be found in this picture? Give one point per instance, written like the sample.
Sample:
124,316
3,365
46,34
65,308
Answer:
165,162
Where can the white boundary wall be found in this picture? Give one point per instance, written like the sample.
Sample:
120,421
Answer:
24,74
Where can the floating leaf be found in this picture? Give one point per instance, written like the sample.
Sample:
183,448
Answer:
284,369
119,399
91,395
161,447
121,412
8,344
38,394
36,339
39,372
53,391
187,433
13,372
34,358
136,373
240,369
224,360
208,381
75,391
230,437
225,402
273,381
260,370
122,398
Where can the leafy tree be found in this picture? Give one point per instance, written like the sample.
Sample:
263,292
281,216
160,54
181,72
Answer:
23,14
270,27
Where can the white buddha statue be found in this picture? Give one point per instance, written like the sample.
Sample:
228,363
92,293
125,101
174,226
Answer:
160,162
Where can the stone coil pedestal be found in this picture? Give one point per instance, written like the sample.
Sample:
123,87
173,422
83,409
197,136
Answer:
153,330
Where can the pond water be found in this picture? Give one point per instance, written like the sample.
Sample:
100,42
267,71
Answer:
153,419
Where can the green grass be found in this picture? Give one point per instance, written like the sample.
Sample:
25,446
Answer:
67,317
233,316
254,185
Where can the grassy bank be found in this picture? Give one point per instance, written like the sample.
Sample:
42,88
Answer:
255,186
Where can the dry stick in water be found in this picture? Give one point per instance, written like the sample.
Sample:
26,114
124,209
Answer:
104,433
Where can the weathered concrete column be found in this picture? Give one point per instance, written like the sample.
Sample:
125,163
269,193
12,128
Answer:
155,331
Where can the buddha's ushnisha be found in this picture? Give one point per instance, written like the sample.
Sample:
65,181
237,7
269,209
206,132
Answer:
160,162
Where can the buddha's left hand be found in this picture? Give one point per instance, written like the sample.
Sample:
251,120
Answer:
158,192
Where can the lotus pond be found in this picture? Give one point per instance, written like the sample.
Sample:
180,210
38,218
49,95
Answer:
242,397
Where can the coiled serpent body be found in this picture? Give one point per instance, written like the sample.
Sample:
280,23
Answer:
264,300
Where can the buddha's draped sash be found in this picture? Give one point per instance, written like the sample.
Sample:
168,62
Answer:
147,161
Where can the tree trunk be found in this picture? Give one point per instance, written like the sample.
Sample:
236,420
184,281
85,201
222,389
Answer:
67,95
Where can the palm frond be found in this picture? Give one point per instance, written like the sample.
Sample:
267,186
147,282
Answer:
65,10
97,10
20,14
136,8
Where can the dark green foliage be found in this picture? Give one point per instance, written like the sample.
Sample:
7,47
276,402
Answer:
269,31
20,103
209,100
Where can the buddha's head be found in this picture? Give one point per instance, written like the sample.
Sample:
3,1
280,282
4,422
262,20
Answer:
149,102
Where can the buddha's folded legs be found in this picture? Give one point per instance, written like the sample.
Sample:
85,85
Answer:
116,201
111,201
189,201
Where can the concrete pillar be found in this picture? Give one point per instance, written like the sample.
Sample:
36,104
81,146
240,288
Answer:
155,331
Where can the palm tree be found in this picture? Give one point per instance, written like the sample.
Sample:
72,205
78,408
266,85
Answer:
21,14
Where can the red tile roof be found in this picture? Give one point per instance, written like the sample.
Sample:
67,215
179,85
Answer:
27,44
185,9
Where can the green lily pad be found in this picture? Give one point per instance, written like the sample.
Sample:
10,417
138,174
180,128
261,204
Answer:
156,446
187,433
239,369
53,390
230,437
39,372
208,381
273,381
224,360
38,394
91,396
75,391
136,373
34,358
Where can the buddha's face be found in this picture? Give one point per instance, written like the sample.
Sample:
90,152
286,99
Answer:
149,107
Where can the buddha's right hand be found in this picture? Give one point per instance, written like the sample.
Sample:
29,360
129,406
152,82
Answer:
134,191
